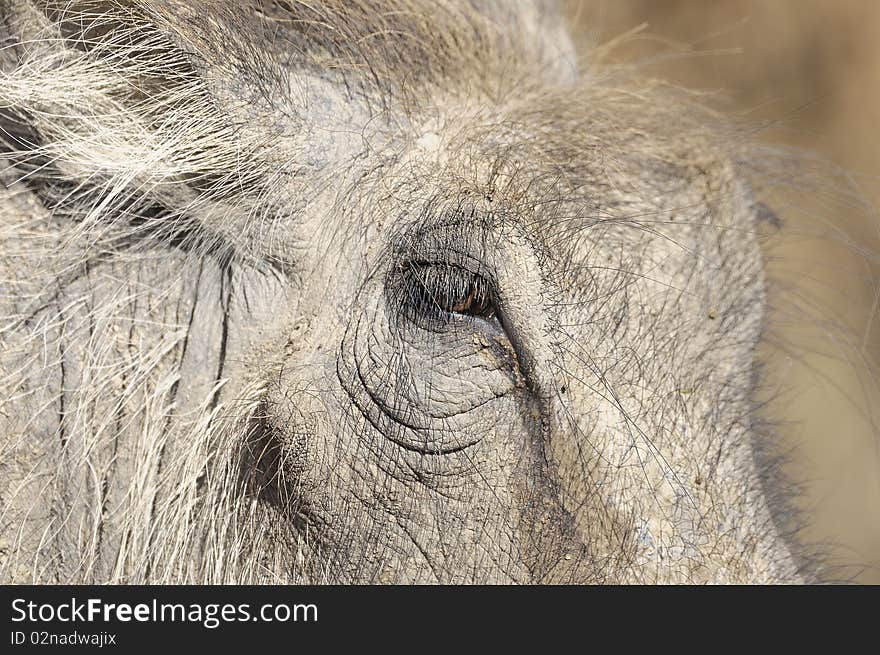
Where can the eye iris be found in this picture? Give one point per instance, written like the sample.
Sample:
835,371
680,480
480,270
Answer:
476,303
465,306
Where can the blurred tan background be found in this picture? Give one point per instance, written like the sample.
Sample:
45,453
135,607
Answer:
806,73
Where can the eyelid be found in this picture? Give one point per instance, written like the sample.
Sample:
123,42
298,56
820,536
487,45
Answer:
509,260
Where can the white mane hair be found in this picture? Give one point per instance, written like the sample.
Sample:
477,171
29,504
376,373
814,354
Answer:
126,126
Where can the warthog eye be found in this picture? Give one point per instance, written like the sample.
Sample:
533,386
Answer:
447,292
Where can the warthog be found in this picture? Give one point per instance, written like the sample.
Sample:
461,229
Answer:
358,291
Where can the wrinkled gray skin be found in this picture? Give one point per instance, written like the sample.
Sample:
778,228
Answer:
464,315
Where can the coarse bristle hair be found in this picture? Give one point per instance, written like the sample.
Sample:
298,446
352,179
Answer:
126,126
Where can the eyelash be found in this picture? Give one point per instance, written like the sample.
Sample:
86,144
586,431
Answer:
442,291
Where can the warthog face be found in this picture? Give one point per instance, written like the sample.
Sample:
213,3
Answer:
344,292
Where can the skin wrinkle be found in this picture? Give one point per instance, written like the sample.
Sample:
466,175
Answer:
297,207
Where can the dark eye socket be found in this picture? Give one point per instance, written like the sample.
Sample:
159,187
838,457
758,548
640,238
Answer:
443,290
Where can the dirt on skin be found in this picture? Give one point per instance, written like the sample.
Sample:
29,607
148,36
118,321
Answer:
812,69
806,73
